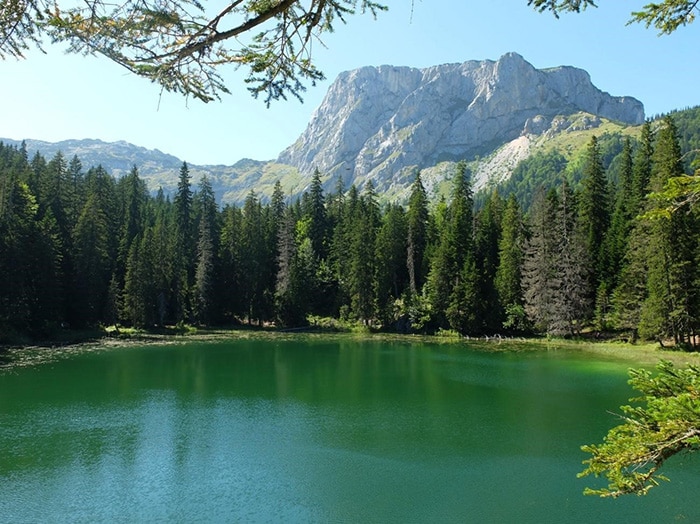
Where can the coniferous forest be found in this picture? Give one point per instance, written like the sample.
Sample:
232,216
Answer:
79,248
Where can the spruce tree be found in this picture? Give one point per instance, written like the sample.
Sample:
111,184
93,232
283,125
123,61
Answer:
593,211
672,278
205,273
255,295
508,279
314,209
75,192
286,253
183,273
489,315
93,263
454,250
392,273
134,197
17,233
573,296
417,219
48,307
230,262
539,262
624,212
362,251
641,168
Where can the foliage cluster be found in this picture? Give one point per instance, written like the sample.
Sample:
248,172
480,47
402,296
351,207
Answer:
664,422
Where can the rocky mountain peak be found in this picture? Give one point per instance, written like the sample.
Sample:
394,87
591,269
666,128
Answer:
383,123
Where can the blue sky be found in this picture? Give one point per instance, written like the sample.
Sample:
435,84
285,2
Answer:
57,96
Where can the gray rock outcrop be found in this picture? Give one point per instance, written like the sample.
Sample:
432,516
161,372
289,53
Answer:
381,122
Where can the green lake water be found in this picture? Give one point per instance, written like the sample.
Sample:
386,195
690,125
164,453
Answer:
317,430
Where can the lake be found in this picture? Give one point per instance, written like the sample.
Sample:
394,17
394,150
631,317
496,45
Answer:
317,429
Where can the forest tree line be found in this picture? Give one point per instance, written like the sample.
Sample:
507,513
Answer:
81,248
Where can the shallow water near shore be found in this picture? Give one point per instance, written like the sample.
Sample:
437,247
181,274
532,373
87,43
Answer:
316,430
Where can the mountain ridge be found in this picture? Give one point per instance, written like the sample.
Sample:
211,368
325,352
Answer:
385,123
376,121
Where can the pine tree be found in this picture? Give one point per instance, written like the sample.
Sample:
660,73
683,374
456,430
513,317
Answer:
508,279
488,315
93,266
17,231
297,281
348,209
184,245
392,273
615,241
454,250
134,196
230,262
631,290
286,252
161,247
463,312
48,308
362,264
75,192
593,211
573,296
133,307
417,218
252,286
641,168
52,183
314,209
539,263
672,278
205,273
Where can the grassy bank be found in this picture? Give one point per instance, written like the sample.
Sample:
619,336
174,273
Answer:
72,342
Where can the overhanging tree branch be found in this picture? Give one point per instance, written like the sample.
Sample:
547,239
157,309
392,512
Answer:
180,46
668,423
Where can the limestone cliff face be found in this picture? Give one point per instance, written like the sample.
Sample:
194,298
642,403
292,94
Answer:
380,123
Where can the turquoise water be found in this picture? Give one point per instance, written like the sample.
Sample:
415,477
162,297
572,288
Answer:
316,430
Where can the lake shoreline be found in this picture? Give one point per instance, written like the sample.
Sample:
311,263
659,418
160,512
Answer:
639,354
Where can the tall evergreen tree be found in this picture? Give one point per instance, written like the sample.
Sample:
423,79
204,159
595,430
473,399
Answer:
205,274
48,308
624,212
134,196
508,279
314,210
362,265
137,309
391,250
641,168
539,263
417,218
93,263
572,300
593,210
75,192
18,237
206,263
230,262
488,314
347,210
672,279
253,285
454,250
184,245
52,182
286,253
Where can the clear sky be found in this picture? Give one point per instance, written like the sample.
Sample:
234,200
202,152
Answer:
56,96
